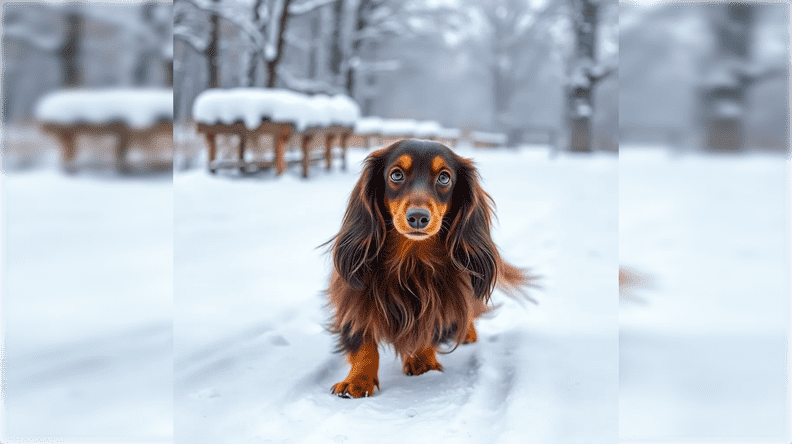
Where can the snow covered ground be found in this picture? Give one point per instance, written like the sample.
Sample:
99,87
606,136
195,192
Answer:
253,364
87,302
94,264
706,355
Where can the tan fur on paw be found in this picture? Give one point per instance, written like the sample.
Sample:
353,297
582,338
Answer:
422,362
359,386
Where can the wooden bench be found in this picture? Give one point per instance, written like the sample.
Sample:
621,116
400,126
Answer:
364,140
281,133
488,140
67,134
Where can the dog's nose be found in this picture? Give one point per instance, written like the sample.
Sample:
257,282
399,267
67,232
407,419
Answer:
418,218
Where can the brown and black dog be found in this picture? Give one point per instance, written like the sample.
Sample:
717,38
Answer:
414,261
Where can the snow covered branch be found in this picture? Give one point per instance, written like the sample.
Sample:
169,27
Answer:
239,20
40,41
307,86
184,34
308,6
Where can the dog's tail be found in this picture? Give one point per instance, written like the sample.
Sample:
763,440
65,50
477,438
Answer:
514,281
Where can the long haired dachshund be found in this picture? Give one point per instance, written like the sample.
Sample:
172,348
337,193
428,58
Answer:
414,261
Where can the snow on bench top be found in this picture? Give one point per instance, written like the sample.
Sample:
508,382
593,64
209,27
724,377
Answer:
404,127
495,138
368,125
252,105
139,108
427,129
449,133
398,127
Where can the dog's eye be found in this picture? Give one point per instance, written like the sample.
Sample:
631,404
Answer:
444,178
397,175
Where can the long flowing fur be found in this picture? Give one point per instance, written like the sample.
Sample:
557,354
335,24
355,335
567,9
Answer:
410,294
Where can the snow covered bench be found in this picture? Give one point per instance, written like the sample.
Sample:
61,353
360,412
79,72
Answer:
368,132
449,136
481,139
134,116
393,130
251,113
375,130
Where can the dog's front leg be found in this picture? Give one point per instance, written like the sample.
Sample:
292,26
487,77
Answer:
362,377
421,362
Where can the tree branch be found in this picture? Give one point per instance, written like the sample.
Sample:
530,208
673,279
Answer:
308,6
246,27
307,86
196,43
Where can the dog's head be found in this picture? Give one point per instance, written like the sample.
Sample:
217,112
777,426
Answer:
422,189
419,178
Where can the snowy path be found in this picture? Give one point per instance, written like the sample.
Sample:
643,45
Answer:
254,365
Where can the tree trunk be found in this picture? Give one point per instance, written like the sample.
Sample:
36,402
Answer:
337,51
724,96
70,50
211,50
272,65
316,41
368,102
140,74
253,61
501,96
168,73
356,46
579,104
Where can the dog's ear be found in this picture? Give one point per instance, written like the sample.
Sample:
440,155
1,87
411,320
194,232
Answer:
363,230
469,241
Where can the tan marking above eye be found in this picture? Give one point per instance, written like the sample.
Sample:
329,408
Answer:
437,164
405,161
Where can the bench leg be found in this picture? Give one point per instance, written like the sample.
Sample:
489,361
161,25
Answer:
306,154
280,149
242,141
67,140
211,139
328,151
122,144
343,141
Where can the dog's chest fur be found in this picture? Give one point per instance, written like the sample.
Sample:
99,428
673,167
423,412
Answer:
421,292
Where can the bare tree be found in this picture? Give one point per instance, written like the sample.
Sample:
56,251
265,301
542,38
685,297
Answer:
337,44
375,21
585,71
263,28
731,75
69,52
273,60
153,35
517,32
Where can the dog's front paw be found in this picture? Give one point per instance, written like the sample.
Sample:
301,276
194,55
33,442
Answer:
418,365
358,386
470,337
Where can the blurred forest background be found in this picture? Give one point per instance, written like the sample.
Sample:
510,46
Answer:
47,46
519,67
576,74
